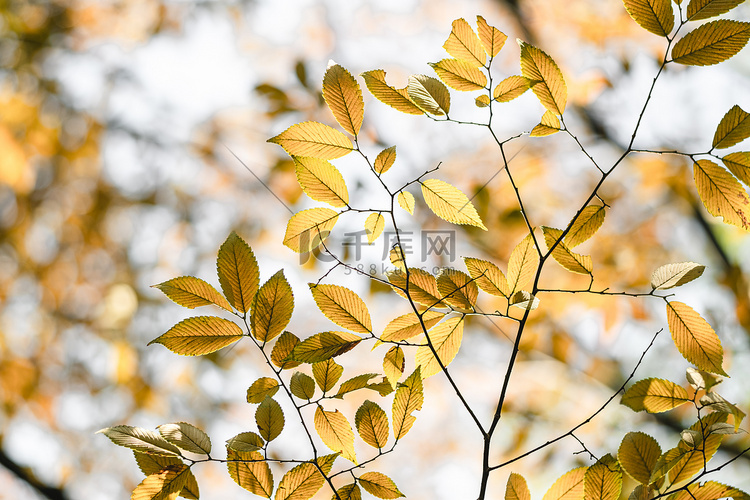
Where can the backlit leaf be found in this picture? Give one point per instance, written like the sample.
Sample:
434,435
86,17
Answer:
408,399
302,386
344,98
200,335
282,349
192,292
700,379
315,140
239,276
603,480
488,276
379,485
482,101
655,16
354,384
385,159
457,289
396,256
460,75
705,9
523,263
152,464
327,373
321,181
492,38
307,229
139,439
545,77
573,262
406,201
394,363
374,225
523,300
446,340
395,98
383,387
642,491
739,164
429,94
300,483
343,307
463,44
246,441
248,469
372,424
324,345
655,395
272,308
734,127
693,460
568,487
335,431
709,490
516,488
449,203
186,436
711,43
715,402
585,225
673,275
550,124
270,419
163,485
638,454
510,88
722,194
694,338
348,492
422,286
407,326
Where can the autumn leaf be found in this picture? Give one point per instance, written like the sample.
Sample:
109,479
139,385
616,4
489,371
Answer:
492,38
694,338
395,98
570,260
374,225
545,78
379,485
655,16
450,204
272,308
406,201
709,490
408,399
603,480
385,159
510,88
523,263
302,386
300,483
269,418
307,229
446,340
463,44
186,436
550,124
429,94
264,386
722,195
344,98
192,292
734,127
516,488
323,346
321,181
422,286
327,373
654,395
342,306
408,325
488,276
711,43
139,439
315,140
394,363
638,454
250,471
739,164
570,486
460,75
372,424
153,464
284,346
673,275
705,9
200,335
585,225
246,441
457,289
163,485
238,272
335,431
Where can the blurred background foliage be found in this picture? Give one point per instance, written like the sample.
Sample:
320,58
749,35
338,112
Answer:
118,125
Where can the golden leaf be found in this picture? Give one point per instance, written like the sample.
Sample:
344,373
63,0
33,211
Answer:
482,101
545,78
270,419
422,286
302,386
571,261
655,16
342,306
395,98
300,483
460,75
250,471
152,464
396,256
722,194
429,94
321,181
570,486
739,164
523,263
324,345
394,363
711,43
638,454
379,485
344,98
408,399
264,386
407,326
192,292
385,159
186,436
200,335
693,460
709,490
139,439
523,300
510,88
492,38
603,480
282,349
488,276
238,272
245,441
655,395
406,201
315,140
457,289
516,488
327,373
163,485
463,44
446,340
335,431
672,275
694,338
704,9
272,308
585,225
372,424
734,127
374,225
348,492
354,384
450,204
307,229
550,124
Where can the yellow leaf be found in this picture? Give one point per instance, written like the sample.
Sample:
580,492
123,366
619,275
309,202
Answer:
523,263
429,94
700,379
335,431
395,98
321,181
374,225
282,349
672,275
545,77
487,276
302,386
250,471
327,373
585,225
715,402
315,140
463,44
272,308
516,488
238,272
694,338
191,292
342,306
492,38
261,388
642,491
152,464
693,460
385,159
550,124
422,286
354,384
348,492
482,101
734,127
186,436
324,345
394,363
457,289
460,75
510,88
344,98
446,340
638,454
655,395
408,399
300,483
655,16
407,326
449,203
139,439
406,201
603,480
523,300
379,485
739,165
704,9
709,490
568,487
711,43
722,194
372,424
396,256
307,229
163,485
571,261
270,419
245,441
199,335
